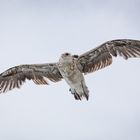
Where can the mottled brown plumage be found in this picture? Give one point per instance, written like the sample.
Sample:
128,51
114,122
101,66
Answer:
101,56
39,73
70,67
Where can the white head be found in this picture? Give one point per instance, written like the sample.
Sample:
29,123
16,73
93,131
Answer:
66,57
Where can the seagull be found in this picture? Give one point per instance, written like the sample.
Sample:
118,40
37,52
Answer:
71,68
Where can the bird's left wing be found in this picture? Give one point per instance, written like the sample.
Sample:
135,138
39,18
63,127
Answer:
39,73
101,56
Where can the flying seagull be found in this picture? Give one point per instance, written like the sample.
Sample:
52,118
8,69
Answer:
71,68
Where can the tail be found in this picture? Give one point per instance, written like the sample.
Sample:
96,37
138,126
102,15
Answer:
78,96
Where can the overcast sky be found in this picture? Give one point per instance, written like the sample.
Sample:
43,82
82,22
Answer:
38,31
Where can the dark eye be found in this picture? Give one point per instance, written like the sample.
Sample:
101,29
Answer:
67,54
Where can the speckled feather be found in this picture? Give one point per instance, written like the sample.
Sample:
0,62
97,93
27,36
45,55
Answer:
70,67
101,56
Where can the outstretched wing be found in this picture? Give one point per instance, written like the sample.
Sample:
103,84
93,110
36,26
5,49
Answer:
39,73
101,56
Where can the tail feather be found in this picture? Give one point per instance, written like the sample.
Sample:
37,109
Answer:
77,96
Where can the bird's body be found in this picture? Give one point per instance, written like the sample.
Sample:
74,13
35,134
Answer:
72,75
70,67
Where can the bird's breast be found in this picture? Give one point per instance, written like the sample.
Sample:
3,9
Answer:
66,69
70,72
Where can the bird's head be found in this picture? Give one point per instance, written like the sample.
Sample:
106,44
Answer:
66,57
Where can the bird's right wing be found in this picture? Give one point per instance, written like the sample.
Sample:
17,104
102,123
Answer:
101,56
39,73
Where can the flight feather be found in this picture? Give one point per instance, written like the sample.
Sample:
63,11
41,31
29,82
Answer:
39,73
101,56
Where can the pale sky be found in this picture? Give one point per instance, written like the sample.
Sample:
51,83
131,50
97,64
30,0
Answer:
38,31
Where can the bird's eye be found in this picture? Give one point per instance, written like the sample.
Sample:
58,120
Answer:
67,54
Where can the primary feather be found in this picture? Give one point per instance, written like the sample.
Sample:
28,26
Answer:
70,67
101,56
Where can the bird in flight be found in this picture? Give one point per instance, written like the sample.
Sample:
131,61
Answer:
71,68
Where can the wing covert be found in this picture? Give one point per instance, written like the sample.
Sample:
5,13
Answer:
101,56
39,73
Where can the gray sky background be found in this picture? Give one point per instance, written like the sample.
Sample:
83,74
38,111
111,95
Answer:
38,31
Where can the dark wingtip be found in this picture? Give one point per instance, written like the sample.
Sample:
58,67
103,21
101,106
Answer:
87,97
